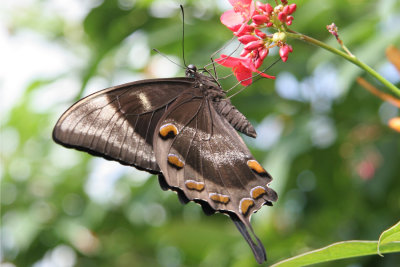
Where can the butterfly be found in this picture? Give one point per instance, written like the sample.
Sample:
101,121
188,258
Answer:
185,131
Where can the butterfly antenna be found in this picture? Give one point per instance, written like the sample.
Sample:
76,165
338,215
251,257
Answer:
225,77
270,66
215,75
215,70
222,48
219,50
165,56
183,36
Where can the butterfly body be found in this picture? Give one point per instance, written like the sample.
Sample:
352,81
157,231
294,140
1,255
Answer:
184,130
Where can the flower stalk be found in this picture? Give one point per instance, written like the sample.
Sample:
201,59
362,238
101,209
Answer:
351,58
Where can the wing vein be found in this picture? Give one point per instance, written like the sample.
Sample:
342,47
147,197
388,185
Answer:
123,140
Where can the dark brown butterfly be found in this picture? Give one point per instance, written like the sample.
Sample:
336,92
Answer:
184,130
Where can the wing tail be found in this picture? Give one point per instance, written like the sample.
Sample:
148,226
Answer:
247,232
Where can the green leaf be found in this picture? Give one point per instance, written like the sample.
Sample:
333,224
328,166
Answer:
340,250
390,235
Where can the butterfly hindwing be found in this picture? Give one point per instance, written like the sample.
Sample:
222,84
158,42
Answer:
204,157
118,123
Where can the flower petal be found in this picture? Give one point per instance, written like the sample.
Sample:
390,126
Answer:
266,75
242,68
240,2
244,7
227,61
241,5
253,69
243,74
230,19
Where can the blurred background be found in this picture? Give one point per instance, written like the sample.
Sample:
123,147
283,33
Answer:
323,138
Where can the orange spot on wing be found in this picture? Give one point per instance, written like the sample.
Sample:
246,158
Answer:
193,185
168,129
219,198
174,160
245,205
257,192
255,166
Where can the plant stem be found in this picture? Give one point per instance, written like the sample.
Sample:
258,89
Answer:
352,59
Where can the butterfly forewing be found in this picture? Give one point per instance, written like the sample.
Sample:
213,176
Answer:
118,123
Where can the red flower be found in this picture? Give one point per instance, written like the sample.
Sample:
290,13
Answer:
240,14
246,20
242,68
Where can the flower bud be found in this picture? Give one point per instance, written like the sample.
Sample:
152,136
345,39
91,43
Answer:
292,8
284,52
260,19
289,20
244,29
258,62
333,30
286,10
245,39
245,52
260,34
263,53
269,8
279,37
254,45
269,24
282,16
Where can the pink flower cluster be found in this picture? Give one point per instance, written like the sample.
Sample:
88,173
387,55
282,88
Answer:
246,20
333,30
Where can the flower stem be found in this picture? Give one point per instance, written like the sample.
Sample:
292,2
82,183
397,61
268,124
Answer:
350,58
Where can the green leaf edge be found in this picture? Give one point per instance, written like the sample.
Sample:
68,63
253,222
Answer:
390,235
339,250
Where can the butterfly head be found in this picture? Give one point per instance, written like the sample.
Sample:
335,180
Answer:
191,71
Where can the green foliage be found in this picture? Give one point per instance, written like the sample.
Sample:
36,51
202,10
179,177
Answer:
390,235
334,161
389,243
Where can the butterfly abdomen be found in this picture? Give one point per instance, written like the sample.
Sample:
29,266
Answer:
234,117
